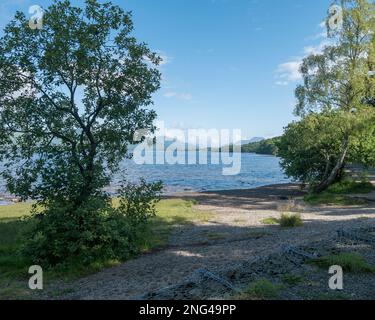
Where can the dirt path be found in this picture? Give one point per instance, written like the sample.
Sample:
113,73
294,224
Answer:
234,235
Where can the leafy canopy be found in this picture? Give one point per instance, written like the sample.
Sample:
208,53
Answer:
72,95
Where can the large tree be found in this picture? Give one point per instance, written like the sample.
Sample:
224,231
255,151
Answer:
72,95
310,147
339,79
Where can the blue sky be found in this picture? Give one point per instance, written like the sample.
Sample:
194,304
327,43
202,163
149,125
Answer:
229,64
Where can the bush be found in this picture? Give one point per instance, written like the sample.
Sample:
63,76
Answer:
137,201
285,221
290,220
96,231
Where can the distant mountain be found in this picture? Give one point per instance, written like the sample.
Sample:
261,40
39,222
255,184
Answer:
167,143
252,140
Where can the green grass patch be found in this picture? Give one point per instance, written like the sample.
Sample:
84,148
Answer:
350,262
349,186
261,289
337,194
14,268
333,199
291,279
335,296
270,221
216,236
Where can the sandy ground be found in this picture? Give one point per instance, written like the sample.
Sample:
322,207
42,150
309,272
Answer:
234,235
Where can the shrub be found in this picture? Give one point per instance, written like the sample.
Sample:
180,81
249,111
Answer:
290,220
95,231
138,201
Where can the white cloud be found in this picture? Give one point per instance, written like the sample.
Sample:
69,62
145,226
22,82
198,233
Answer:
288,72
165,58
180,96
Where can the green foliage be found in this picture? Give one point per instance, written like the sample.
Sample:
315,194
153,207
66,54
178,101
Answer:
94,231
337,193
327,198
310,148
56,143
349,186
270,221
290,220
261,289
72,96
267,147
171,213
286,220
335,103
350,262
137,202
291,279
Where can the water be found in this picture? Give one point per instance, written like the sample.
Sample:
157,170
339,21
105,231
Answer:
256,171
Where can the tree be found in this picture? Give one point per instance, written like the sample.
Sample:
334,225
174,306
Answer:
338,79
72,95
309,148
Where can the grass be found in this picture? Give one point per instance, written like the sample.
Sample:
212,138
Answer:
335,296
216,236
337,194
333,199
261,289
286,220
291,279
348,186
350,262
270,221
172,213
14,268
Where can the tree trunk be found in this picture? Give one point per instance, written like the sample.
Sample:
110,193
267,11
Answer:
336,170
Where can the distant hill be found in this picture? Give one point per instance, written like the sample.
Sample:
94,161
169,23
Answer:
252,140
267,147
167,143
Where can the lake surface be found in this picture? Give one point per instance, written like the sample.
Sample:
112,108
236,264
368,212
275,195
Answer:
256,171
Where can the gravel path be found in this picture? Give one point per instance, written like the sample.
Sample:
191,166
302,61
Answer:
233,236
